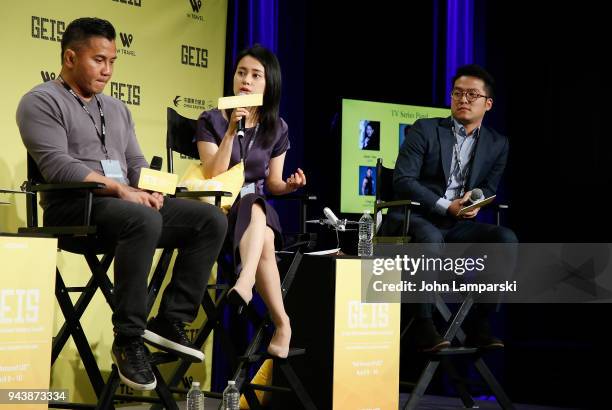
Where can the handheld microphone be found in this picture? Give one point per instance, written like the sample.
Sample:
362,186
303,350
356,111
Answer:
476,195
156,163
240,128
241,123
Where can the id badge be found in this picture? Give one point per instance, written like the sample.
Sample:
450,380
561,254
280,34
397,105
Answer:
247,189
112,170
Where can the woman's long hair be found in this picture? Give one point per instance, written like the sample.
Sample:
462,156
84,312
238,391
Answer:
269,112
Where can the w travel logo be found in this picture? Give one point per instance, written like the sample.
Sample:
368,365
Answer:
127,40
196,6
47,75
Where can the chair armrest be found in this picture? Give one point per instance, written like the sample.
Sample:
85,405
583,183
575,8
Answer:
499,209
13,191
56,231
405,203
198,194
394,204
32,210
69,186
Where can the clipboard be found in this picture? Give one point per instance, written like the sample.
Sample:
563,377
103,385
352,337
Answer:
476,205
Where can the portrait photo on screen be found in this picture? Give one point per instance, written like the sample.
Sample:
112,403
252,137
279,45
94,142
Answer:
369,135
367,180
403,131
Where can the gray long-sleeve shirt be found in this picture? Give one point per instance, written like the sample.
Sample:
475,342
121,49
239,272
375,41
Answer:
61,137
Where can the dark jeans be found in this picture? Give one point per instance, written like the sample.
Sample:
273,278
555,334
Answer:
446,230
135,231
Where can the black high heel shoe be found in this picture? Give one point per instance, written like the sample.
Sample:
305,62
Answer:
235,298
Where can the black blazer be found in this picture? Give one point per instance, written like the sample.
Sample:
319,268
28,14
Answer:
423,164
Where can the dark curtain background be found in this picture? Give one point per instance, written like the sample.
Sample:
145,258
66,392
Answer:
549,60
550,65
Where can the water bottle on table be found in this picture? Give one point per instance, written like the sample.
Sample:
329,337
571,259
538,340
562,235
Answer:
195,397
366,232
231,397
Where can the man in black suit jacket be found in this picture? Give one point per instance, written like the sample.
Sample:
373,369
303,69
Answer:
439,163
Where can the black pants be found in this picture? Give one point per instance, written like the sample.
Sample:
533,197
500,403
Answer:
135,231
446,230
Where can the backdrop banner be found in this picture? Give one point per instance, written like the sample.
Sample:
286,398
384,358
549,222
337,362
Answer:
170,53
26,320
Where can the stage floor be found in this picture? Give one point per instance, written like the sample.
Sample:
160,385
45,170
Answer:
209,404
452,403
427,403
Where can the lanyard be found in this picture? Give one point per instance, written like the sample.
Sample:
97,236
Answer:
464,169
100,133
243,155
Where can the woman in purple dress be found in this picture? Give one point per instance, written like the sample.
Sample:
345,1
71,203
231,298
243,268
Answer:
254,228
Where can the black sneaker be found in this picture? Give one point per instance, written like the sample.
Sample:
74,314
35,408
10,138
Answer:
423,337
170,336
131,357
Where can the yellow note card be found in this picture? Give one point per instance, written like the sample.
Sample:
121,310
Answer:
245,100
157,181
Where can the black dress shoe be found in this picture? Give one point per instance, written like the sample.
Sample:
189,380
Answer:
479,335
422,336
171,337
131,357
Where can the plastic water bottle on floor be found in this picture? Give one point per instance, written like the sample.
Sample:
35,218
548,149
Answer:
195,397
366,231
231,397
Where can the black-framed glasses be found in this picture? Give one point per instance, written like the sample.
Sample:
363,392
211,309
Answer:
470,95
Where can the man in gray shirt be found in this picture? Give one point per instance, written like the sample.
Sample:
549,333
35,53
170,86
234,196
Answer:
75,133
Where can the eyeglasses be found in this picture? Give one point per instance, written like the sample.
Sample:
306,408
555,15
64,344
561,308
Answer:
470,95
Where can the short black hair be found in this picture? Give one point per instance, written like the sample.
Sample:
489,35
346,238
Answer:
474,70
82,29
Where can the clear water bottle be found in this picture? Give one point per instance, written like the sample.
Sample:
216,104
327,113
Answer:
366,231
231,397
195,397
